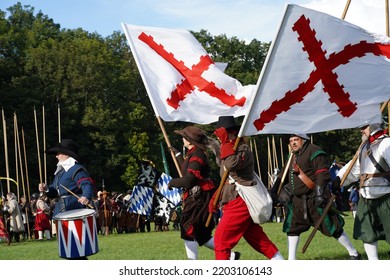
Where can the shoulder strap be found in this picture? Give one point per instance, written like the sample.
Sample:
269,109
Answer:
374,161
382,171
77,170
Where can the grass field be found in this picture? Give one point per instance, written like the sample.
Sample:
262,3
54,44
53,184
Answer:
168,246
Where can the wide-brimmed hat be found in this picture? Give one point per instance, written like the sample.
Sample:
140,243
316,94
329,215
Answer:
227,122
194,135
67,147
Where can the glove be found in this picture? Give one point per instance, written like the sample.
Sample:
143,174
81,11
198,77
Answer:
227,149
319,196
212,208
174,151
336,185
222,135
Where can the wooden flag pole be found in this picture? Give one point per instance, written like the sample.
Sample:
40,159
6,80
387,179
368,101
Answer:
169,145
346,9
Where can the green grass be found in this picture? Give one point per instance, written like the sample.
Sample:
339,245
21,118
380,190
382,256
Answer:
168,246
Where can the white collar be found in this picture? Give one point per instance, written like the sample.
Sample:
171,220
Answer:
66,164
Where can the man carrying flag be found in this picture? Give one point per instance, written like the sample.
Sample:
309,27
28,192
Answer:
236,221
198,190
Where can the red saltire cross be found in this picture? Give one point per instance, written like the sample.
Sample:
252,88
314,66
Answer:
322,72
192,77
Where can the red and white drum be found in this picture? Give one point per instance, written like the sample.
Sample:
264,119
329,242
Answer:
77,233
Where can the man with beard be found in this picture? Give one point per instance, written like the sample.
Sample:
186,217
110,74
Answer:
308,178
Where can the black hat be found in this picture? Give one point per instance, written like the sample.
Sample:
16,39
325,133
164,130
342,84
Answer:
67,147
227,122
195,136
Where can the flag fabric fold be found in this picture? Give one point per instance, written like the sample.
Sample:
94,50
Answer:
182,81
141,200
173,195
321,73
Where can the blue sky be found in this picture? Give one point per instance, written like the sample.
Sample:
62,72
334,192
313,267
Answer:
245,19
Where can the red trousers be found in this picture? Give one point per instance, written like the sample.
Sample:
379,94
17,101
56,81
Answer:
235,223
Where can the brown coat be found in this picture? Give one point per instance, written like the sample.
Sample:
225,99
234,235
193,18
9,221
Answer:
16,221
241,168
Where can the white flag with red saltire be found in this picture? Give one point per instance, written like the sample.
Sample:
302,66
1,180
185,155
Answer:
321,73
181,79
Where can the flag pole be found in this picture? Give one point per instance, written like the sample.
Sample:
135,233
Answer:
169,145
346,9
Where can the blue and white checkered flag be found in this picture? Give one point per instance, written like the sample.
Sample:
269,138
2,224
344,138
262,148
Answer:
173,195
141,200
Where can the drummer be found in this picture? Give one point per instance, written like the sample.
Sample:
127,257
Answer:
72,185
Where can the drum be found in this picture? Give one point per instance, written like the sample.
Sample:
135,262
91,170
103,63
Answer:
77,233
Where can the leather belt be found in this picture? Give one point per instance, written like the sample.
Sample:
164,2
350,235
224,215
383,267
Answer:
306,180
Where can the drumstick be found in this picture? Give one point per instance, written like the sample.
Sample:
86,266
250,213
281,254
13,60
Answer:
75,195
